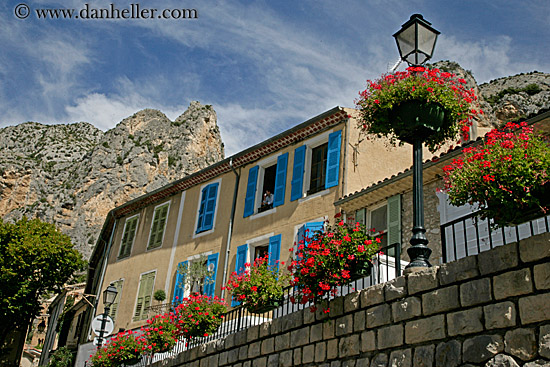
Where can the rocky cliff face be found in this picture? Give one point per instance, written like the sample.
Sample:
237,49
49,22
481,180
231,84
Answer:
506,99
73,175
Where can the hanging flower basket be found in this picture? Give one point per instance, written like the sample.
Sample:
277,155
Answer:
360,269
133,361
417,120
429,103
508,176
265,307
528,212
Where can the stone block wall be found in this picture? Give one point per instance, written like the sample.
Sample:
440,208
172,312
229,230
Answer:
492,309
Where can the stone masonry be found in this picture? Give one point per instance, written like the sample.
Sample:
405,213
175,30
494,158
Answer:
492,309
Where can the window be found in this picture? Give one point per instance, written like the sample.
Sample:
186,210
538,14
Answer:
114,306
128,237
259,247
318,169
157,226
385,219
145,293
207,207
266,186
206,285
316,166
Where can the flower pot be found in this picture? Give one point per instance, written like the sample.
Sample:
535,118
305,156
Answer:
263,308
131,362
507,217
360,269
416,120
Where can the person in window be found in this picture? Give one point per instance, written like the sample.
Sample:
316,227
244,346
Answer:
267,202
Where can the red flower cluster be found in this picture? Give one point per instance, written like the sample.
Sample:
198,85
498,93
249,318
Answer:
198,315
418,84
124,348
324,260
506,175
259,284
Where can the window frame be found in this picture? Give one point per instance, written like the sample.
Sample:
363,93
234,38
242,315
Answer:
310,144
196,232
168,204
121,256
142,311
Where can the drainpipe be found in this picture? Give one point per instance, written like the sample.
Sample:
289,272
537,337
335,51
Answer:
230,230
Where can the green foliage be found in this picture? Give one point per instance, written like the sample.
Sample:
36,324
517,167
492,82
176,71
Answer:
159,295
35,259
530,89
198,316
172,161
105,144
119,160
195,272
327,259
508,176
418,85
261,285
62,357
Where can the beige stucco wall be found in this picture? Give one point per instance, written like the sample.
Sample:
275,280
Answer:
140,260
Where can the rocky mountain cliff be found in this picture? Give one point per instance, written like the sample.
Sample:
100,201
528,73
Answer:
73,175
506,99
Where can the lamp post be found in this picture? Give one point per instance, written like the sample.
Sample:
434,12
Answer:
109,296
416,42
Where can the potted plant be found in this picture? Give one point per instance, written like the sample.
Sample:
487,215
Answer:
198,315
124,349
507,176
417,103
159,295
160,335
260,288
329,260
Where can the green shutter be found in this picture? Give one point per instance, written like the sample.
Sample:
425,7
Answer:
360,216
157,229
128,237
394,219
114,306
144,296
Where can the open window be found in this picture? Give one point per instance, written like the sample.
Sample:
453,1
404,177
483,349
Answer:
316,165
196,275
266,185
255,248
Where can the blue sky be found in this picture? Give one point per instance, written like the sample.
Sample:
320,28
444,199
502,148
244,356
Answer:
265,66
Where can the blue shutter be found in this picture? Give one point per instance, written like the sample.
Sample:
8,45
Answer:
210,207
333,159
280,180
274,250
250,198
202,208
310,229
240,260
298,173
211,287
179,286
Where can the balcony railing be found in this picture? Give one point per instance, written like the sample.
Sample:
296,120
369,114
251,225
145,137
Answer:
470,235
387,265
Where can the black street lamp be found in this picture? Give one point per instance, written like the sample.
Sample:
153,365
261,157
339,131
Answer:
109,296
416,42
